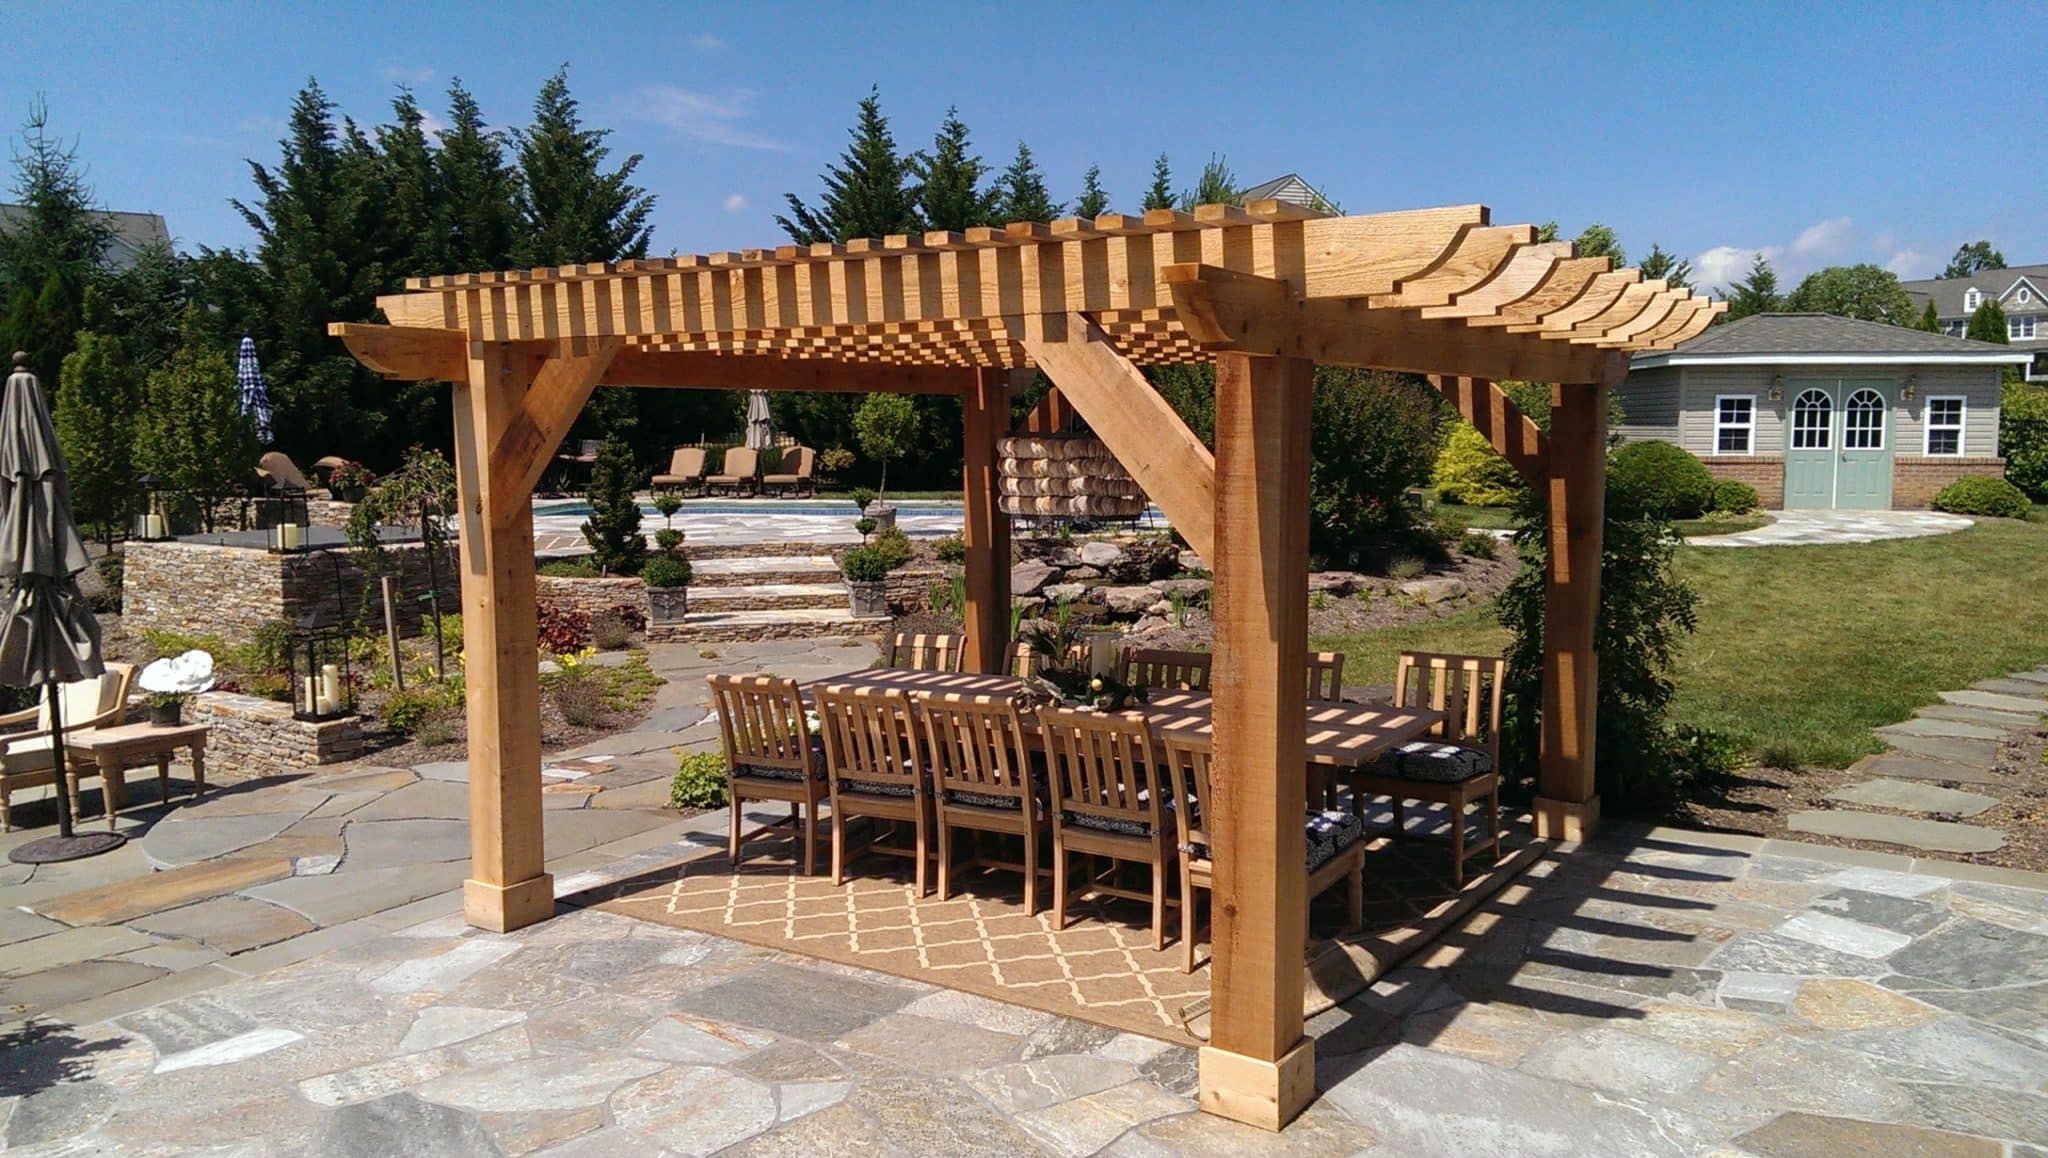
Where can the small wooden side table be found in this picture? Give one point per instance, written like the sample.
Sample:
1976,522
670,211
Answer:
110,753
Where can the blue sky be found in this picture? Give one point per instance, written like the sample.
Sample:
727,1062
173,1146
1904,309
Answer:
1818,133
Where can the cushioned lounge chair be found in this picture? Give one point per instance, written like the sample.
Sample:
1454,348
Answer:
801,481
685,470
740,470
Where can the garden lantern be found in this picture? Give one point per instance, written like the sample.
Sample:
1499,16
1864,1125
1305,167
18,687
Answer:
316,663
288,520
152,521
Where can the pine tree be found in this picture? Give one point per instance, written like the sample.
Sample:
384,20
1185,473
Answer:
1599,241
613,529
43,325
1987,324
1974,257
411,181
571,209
1755,294
1658,265
1021,194
1159,195
481,190
1930,320
50,251
867,194
95,419
1093,202
192,435
950,194
1217,186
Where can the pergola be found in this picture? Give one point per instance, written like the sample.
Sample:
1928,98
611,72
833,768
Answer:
1265,291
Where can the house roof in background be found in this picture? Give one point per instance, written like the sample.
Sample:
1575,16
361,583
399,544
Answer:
1290,188
1948,292
1762,339
131,233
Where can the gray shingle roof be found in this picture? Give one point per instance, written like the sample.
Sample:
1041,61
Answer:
1948,292
1765,334
129,233
1288,188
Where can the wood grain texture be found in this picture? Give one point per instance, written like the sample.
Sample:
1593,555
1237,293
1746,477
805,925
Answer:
1507,429
985,410
1571,667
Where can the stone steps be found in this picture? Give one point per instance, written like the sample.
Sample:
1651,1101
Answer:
704,552
770,597
744,571
786,623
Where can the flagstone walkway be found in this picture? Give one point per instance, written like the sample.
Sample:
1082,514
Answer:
1820,528
1945,768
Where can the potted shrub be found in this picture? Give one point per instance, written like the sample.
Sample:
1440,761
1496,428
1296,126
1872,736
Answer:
167,683
667,576
667,503
886,425
866,571
350,482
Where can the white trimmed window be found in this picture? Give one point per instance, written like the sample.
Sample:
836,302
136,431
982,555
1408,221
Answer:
1972,299
1959,326
1945,425
2023,296
2020,326
1735,424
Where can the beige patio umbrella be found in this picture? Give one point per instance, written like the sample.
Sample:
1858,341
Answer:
760,423
49,636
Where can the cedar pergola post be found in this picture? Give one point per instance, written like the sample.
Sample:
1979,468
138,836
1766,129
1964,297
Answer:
1567,807
1257,1067
985,408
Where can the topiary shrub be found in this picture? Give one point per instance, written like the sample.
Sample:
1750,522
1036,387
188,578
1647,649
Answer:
1735,498
1665,479
864,565
699,782
1471,472
666,571
892,545
1983,495
2023,437
950,549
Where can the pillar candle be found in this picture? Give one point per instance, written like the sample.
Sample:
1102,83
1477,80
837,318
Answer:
311,692
1101,653
330,684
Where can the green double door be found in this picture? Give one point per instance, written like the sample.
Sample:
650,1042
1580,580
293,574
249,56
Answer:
1838,444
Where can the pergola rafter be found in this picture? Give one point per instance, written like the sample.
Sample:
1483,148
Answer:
1265,290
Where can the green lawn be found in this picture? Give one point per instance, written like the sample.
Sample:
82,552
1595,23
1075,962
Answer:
1503,519
1801,651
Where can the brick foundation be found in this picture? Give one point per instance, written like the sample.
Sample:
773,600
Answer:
1915,481
1764,472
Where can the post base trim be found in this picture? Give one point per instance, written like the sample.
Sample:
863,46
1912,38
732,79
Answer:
1266,1094
1565,820
503,908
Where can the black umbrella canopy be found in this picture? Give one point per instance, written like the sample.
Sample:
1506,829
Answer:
49,634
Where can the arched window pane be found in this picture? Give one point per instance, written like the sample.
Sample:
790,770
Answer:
1812,420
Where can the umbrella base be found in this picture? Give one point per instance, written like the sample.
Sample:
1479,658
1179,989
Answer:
55,849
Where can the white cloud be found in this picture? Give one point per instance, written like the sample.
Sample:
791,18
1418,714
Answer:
1824,239
398,72
1885,240
433,126
705,42
1724,265
713,119
735,203
1911,264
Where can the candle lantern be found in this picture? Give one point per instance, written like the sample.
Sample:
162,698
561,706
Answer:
287,520
317,665
152,521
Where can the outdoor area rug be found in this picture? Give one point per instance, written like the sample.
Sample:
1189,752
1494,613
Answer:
1101,968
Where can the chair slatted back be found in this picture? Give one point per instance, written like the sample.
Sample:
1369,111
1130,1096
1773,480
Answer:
741,462
868,736
761,720
922,651
801,462
687,462
1100,764
1466,688
1188,764
975,744
1325,676
1182,671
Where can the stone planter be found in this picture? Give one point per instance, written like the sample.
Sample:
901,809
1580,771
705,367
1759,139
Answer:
667,604
869,600
168,715
884,517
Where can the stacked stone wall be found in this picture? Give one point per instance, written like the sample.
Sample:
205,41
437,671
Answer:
257,737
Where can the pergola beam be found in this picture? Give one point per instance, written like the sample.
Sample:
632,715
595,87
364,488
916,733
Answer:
1510,432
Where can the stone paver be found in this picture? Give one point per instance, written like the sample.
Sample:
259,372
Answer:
1913,796
1928,835
1812,528
1908,766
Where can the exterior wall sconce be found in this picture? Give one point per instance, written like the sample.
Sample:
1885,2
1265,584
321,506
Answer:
1777,387
1912,381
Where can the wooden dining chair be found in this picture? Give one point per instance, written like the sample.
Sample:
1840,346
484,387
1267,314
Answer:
1336,843
926,651
1325,676
875,769
1458,763
980,762
1162,670
1104,803
769,755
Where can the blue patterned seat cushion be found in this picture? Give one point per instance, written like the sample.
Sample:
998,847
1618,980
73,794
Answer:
984,800
1327,833
1114,824
898,788
763,772
1441,763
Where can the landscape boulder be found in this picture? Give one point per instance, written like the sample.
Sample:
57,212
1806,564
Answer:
1127,600
1433,590
1063,592
1337,582
1030,576
1186,588
1096,553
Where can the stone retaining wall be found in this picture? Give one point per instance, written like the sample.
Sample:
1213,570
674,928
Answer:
626,597
199,588
1915,481
255,737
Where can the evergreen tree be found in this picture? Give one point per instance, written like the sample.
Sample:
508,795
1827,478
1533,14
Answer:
1987,324
950,194
1020,191
411,182
613,529
1974,257
1930,320
1093,202
95,420
51,249
1673,271
1159,195
44,325
867,193
193,435
1755,294
144,303
481,192
571,209
1217,186
1865,291
1599,241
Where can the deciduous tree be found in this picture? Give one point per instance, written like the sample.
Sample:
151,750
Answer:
1864,291
95,418
192,435
1974,257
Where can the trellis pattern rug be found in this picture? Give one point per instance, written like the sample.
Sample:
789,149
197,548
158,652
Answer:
1100,968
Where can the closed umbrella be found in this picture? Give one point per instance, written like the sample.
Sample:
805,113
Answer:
49,635
255,394
760,424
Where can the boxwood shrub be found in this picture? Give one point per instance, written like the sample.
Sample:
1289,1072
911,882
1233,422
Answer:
1983,495
1669,482
1734,498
